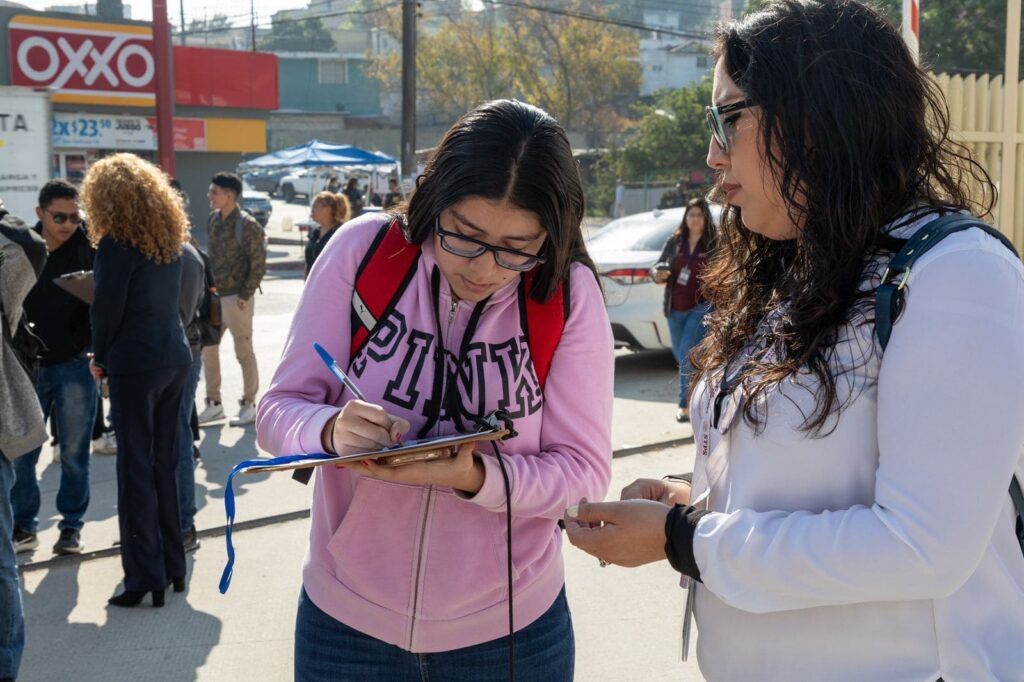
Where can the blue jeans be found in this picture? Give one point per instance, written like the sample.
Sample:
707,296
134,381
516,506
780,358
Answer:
12,621
186,473
686,327
326,649
68,391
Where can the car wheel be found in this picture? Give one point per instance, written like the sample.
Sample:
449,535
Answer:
289,194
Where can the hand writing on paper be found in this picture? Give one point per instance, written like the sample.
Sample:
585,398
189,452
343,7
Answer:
362,427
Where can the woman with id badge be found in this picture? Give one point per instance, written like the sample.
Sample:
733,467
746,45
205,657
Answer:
679,268
853,513
451,568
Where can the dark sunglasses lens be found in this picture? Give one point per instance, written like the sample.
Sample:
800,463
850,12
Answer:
61,218
716,130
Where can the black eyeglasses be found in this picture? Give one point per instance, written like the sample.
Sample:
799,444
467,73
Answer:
61,218
467,247
722,129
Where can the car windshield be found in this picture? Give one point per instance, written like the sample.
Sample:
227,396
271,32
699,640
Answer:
643,232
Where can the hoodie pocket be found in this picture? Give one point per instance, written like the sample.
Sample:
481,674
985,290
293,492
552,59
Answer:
465,569
374,548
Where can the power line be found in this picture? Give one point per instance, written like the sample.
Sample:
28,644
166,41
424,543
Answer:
286,20
598,19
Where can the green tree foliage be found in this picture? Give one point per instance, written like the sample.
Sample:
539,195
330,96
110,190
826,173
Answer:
297,35
956,35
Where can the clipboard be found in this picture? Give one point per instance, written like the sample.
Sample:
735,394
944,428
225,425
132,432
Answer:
79,284
422,450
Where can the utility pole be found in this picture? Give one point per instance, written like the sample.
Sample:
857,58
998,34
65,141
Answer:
252,24
164,87
409,8
181,9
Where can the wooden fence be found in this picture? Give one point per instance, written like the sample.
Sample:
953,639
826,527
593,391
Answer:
978,107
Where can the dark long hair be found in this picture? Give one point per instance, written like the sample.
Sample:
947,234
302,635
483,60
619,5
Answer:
856,134
508,150
683,231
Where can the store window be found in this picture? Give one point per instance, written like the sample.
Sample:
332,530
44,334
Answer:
333,72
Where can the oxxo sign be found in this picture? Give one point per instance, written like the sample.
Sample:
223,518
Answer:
83,61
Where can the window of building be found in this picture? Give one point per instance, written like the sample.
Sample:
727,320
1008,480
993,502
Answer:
333,72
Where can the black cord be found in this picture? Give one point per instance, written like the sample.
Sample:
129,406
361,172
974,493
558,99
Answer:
508,548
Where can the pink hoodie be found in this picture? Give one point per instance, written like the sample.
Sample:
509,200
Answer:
421,567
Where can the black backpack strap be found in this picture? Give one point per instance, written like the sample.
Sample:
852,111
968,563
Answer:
889,298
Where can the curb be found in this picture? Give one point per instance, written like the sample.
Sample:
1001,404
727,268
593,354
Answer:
284,518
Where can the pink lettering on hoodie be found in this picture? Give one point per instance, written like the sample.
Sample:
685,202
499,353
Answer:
422,567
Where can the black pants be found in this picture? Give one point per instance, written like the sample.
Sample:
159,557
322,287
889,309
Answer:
145,409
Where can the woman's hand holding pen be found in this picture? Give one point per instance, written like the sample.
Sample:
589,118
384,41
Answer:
361,427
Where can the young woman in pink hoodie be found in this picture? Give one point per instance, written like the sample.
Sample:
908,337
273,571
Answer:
406,573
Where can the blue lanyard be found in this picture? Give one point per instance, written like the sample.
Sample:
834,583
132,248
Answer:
229,501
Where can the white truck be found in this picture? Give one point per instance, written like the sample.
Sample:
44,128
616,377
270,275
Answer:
25,127
307,183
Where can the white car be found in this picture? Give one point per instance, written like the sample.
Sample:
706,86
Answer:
624,252
304,182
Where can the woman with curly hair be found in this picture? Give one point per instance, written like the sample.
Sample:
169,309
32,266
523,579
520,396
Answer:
851,515
138,225
330,211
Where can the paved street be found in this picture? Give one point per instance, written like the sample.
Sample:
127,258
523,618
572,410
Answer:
627,621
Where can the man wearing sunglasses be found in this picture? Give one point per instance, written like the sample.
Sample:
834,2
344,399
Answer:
66,390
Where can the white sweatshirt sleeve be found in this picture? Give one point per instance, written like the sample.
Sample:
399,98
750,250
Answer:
950,435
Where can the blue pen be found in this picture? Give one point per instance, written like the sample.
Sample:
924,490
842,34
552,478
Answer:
337,371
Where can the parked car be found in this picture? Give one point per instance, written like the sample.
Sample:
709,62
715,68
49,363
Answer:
306,183
257,203
266,180
624,252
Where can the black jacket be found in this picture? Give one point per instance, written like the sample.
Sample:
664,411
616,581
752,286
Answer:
60,320
193,289
135,321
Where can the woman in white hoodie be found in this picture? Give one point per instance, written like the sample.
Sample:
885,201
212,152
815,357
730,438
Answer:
849,517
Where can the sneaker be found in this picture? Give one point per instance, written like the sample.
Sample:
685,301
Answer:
105,444
214,412
190,538
246,414
24,542
56,453
70,542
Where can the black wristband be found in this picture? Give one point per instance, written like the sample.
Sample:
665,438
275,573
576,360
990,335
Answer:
680,526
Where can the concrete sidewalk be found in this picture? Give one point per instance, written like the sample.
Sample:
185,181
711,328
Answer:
626,621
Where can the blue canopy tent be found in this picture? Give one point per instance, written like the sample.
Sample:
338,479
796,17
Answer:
316,153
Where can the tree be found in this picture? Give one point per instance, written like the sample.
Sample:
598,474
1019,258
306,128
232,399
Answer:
582,72
297,35
218,22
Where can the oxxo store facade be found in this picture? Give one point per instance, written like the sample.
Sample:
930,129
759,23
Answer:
101,76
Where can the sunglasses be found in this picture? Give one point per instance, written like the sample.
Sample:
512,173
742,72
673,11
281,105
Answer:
467,247
722,125
61,218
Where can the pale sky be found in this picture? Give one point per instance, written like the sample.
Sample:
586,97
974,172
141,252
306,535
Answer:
195,9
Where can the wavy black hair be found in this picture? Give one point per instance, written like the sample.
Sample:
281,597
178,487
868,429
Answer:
508,150
855,134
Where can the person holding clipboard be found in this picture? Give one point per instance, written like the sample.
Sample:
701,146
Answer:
498,306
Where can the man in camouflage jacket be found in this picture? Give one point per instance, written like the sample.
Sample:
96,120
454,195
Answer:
238,260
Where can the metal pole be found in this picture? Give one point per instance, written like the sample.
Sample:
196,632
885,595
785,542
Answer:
252,24
164,86
409,86
912,26
181,9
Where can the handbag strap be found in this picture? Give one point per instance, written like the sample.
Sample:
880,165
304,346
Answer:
889,300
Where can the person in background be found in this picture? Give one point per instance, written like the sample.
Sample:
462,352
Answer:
239,262
394,196
63,384
333,185
620,199
680,268
139,226
330,211
22,429
849,517
193,287
354,196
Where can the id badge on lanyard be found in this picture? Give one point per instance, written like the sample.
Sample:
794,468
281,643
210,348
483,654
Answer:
683,278
711,463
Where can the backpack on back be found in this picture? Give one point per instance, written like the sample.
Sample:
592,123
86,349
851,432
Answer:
388,268
889,300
